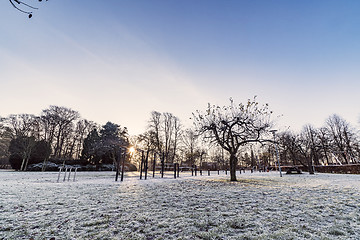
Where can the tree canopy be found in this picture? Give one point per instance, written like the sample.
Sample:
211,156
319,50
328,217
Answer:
234,126
103,146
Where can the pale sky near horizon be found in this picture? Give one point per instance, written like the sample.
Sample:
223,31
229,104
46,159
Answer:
118,60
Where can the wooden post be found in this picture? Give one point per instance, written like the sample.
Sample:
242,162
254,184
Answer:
142,163
162,165
175,170
118,165
123,166
178,170
146,163
154,162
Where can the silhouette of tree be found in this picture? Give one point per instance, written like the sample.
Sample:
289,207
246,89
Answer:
102,147
24,7
234,126
164,132
91,148
26,150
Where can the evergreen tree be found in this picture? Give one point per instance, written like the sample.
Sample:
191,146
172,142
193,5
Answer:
91,148
103,147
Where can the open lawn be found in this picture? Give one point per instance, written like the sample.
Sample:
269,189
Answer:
258,206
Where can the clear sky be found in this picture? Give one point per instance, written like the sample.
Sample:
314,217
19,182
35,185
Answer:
118,60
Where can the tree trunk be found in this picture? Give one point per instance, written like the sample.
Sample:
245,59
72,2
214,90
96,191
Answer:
310,165
22,164
326,157
233,164
44,165
26,163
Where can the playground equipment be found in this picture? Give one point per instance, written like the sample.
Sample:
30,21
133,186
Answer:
65,172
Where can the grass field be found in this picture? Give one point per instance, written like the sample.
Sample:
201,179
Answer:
258,206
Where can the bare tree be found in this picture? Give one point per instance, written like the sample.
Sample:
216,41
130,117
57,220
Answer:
190,142
154,129
164,130
22,125
171,132
24,128
58,123
234,126
82,129
23,7
289,144
177,136
5,138
343,138
168,133
324,138
304,148
217,156
309,146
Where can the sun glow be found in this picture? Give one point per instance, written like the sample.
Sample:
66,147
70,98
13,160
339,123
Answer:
132,150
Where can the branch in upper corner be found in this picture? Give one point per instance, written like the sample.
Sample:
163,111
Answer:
23,10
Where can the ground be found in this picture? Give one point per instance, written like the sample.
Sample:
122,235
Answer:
258,206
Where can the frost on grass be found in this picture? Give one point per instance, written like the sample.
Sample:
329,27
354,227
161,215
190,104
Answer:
258,206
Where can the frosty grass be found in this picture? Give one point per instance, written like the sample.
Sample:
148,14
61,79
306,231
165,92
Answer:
258,206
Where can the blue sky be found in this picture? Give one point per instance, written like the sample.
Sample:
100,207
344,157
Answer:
118,61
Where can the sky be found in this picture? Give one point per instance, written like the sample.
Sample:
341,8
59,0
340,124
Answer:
118,60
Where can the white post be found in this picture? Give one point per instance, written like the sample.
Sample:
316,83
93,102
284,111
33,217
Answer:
60,168
65,174
69,173
75,174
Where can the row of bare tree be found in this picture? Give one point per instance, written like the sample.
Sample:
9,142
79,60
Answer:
167,137
335,143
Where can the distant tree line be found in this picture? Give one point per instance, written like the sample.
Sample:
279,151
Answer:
167,138
58,133
229,137
337,142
